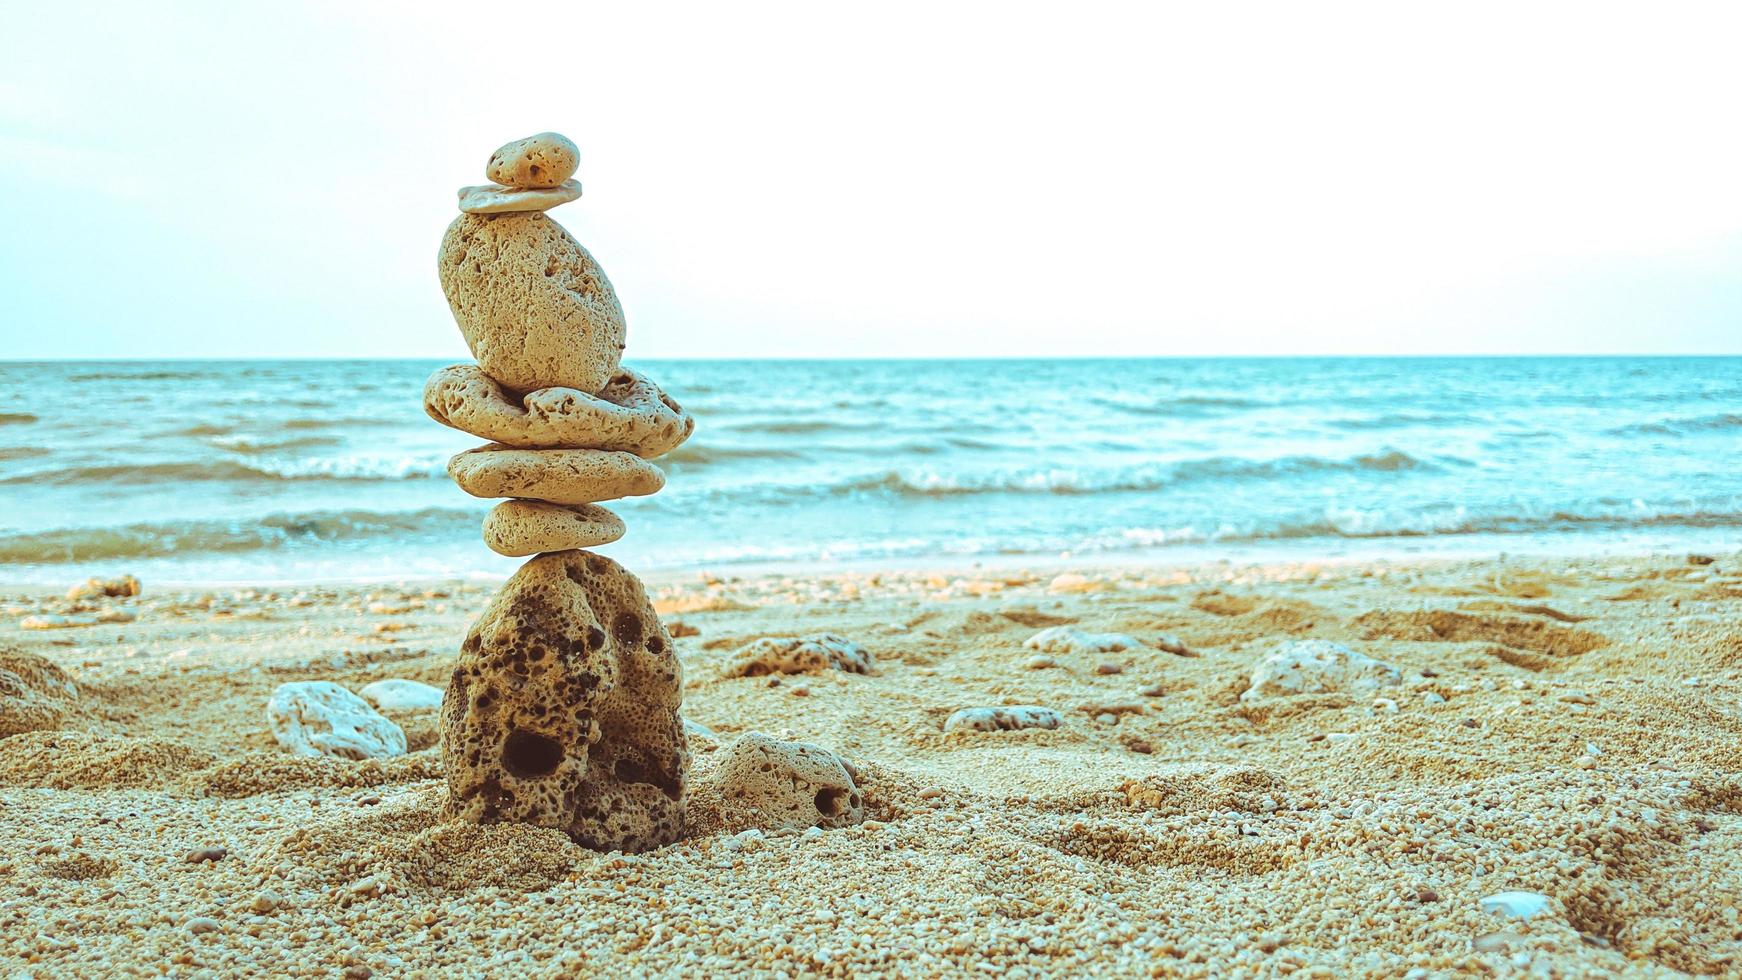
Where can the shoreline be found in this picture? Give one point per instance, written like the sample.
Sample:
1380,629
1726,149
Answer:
1394,549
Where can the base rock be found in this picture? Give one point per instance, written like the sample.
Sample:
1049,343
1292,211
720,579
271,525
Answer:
563,709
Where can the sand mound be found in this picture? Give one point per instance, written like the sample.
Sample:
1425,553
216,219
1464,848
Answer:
70,760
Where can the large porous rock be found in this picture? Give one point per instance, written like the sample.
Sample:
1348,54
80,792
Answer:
315,718
768,784
1318,667
560,476
631,414
534,307
35,695
563,710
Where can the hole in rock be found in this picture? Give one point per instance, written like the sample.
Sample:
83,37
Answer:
530,755
830,802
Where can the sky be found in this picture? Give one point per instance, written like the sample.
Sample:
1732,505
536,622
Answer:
888,180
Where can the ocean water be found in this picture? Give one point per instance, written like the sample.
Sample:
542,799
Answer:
324,470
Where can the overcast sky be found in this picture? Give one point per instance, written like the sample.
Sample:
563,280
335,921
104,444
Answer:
928,179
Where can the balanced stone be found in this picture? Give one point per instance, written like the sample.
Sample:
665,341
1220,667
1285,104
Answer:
559,476
542,160
630,414
518,528
496,199
534,307
563,710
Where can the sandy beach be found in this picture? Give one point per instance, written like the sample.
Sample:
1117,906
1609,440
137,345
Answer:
1570,728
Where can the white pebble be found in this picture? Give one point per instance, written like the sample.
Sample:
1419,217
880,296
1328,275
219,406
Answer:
1524,905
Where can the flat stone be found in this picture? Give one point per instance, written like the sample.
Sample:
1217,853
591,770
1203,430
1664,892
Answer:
35,695
320,718
630,414
496,199
398,694
563,709
518,528
559,476
540,160
534,307
763,783
1318,667
1003,718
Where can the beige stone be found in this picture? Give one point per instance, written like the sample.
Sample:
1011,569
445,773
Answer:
558,476
517,528
541,160
124,587
495,199
768,784
563,709
801,655
534,307
631,414
34,693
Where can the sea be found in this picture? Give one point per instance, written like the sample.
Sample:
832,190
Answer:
309,471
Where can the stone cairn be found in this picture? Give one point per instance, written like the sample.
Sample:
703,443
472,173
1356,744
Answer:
563,708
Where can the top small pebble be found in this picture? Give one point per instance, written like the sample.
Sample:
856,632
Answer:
544,160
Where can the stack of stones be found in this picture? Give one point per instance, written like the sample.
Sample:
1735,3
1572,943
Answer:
563,709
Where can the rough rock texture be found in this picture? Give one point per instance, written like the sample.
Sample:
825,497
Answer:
34,693
563,710
540,160
631,414
518,528
492,199
560,476
1003,718
768,784
534,307
1069,639
800,655
398,694
1318,667
315,718
124,587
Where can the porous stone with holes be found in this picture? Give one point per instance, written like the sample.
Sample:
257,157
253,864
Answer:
559,476
768,784
630,414
800,655
540,160
533,305
563,709
1318,667
518,528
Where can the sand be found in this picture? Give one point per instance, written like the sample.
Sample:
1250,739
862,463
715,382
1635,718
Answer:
1566,727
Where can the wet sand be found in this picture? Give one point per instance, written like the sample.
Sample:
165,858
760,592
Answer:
1565,727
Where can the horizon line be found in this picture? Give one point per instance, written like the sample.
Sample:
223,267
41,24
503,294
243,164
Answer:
244,358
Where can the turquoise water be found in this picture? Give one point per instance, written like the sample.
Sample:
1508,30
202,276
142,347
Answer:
302,470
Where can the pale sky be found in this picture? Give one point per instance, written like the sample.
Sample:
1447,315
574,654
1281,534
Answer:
905,180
